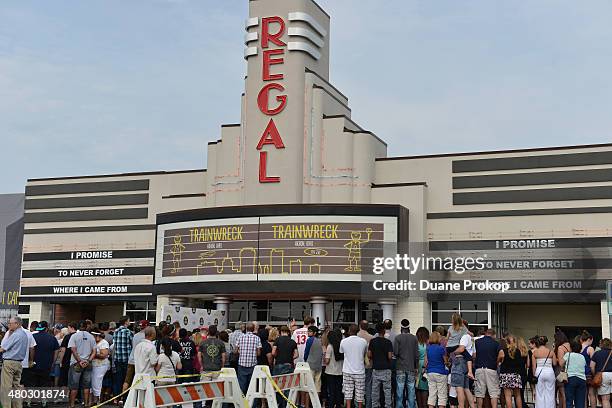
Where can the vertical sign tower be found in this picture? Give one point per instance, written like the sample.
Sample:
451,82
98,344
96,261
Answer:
296,142
283,41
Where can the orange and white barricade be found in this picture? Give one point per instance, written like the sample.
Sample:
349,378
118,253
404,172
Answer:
265,386
224,389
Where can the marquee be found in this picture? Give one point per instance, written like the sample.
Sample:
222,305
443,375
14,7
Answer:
304,247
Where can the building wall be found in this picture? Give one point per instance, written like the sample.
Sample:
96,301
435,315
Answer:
11,238
606,320
109,313
528,319
98,213
326,158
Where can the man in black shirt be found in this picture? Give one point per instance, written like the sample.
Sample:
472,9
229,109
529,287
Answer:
380,352
46,353
284,352
66,353
488,356
187,354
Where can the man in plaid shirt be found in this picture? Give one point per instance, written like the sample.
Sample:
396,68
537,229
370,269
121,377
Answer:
122,342
248,348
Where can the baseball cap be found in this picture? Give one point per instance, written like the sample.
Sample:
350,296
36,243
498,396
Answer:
143,324
42,326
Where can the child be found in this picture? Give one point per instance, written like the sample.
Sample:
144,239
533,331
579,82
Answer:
455,332
453,346
452,395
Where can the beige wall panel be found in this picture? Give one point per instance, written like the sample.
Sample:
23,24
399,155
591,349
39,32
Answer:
527,320
412,197
75,241
109,313
558,226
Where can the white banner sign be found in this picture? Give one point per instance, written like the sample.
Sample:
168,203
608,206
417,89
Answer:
191,318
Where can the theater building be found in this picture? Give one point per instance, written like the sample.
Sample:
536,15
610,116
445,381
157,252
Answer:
294,195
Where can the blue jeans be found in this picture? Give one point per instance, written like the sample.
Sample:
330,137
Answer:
575,392
368,388
244,377
405,381
281,369
119,377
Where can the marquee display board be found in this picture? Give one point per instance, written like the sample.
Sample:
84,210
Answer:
572,267
272,248
100,273
191,318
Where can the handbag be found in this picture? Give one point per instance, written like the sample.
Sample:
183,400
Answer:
562,377
598,377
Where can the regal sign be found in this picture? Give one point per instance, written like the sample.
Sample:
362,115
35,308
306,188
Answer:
272,30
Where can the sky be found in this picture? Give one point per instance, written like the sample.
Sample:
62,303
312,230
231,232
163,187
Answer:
111,86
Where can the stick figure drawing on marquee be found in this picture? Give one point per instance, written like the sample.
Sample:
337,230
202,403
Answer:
354,249
177,253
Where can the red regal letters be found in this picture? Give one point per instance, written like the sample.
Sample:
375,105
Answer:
271,136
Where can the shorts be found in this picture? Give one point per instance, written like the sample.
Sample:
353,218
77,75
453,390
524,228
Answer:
453,401
55,371
487,380
353,383
129,374
460,380
438,390
606,384
316,376
458,374
81,379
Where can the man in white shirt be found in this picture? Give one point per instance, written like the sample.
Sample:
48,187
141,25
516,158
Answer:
145,355
28,362
83,346
468,342
239,329
300,336
353,367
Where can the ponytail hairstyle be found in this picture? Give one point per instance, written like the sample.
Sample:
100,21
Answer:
167,346
541,341
585,336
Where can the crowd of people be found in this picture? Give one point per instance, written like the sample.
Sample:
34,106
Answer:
353,366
